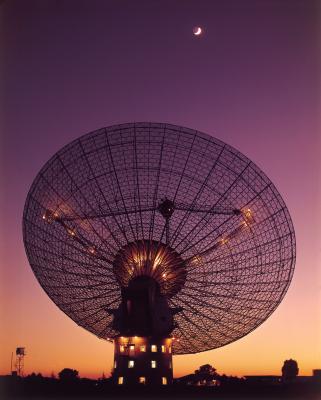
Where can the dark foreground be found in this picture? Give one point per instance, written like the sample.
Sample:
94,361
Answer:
16,388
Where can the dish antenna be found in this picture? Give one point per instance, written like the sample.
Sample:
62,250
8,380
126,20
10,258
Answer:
161,239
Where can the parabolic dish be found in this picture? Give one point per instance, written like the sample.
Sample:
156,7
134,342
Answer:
230,233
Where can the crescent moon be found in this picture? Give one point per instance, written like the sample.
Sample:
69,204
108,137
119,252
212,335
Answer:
197,31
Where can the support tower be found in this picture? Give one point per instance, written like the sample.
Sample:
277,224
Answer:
143,232
20,356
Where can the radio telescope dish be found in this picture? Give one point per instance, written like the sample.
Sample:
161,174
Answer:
173,205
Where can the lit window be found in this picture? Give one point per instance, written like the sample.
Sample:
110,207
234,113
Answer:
154,348
120,380
142,380
132,348
121,348
143,348
131,364
115,364
169,349
163,349
164,380
153,363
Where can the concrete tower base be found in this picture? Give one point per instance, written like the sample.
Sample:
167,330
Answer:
142,360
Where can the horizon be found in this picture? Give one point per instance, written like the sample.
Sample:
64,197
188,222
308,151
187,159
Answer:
54,375
251,79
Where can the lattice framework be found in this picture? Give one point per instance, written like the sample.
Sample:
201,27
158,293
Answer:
102,192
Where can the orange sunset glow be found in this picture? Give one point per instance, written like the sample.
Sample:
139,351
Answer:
53,341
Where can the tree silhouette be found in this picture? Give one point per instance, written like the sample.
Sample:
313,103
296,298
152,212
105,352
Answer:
68,374
33,377
289,370
206,373
206,369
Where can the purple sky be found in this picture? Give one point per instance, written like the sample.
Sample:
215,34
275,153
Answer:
252,80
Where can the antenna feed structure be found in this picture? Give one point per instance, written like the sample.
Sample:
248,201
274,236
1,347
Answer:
166,207
158,237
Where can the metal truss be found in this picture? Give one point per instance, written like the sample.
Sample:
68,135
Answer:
224,231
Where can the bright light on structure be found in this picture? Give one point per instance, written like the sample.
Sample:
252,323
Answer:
71,232
50,216
158,259
248,216
152,259
92,250
197,260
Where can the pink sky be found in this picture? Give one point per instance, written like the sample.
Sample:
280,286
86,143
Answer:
252,80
